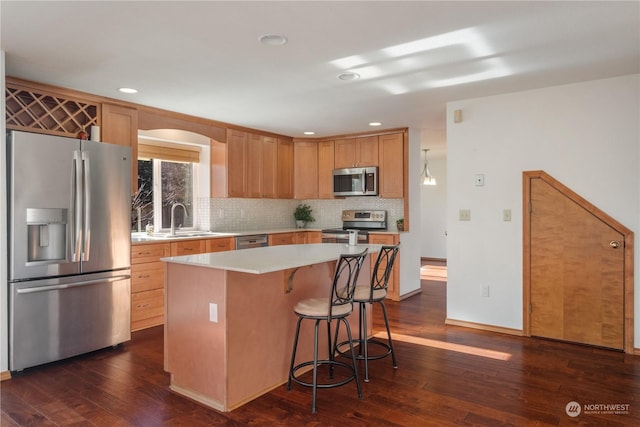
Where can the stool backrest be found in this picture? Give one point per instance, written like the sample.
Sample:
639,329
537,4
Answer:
382,268
345,278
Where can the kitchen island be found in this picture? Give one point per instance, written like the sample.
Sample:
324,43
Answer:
229,320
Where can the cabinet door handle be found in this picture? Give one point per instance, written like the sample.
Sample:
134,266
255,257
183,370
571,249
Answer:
142,305
144,276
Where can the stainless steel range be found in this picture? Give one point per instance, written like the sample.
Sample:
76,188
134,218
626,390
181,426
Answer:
361,220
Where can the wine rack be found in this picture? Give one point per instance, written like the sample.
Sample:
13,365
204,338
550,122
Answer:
38,111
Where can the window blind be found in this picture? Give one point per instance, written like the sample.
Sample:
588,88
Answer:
168,151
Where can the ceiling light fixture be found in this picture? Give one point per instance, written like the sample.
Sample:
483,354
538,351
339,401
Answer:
428,178
273,40
309,132
348,76
128,90
375,124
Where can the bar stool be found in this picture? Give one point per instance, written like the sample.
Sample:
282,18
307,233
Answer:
337,307
375,293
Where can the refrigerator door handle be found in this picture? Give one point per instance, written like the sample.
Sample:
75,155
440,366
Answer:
71,285
76,205
87,206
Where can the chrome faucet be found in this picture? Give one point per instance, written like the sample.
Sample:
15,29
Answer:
173,210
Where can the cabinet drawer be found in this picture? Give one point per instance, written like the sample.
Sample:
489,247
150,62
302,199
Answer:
145,305
220,245
280,239
149,253
188,247
148,276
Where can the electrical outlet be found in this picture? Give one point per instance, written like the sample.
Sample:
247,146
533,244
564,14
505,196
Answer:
464,215
213,312
484,292
506,214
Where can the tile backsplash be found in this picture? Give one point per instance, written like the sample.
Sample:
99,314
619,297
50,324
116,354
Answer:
222,214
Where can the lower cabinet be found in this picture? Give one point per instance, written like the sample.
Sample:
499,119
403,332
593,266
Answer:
147,275
147,284
295,238
393,292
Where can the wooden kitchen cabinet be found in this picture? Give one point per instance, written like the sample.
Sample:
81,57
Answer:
251,166
313,237
284,174
269,168
356,152
120,126
220,244
391,170
262,157
393,291
326,162
147,284
305,170
254,165
295,238
236,166
188,247
279,239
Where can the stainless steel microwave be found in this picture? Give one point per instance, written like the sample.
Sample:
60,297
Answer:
355,181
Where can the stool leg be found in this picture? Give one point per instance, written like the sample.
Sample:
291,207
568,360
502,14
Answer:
353,356
315,368
365,340
293,353
333,345
386,323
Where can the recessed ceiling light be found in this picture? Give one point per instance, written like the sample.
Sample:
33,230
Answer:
128,90
309,132
273,40
375,124
348,76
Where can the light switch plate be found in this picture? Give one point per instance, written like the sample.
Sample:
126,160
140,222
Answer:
479,180
464,215
506,214
213,312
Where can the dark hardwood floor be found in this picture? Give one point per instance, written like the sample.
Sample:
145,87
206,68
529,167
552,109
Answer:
446,376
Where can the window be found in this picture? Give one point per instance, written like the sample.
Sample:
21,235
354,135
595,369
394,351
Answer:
167,178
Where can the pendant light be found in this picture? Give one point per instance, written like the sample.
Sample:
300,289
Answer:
428,178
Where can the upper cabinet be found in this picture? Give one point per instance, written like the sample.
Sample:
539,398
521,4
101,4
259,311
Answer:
326,164
391,170
251,166
284,171
305,170
120,126
356,152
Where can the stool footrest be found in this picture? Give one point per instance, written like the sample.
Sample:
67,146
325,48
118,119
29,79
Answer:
332,365
359,354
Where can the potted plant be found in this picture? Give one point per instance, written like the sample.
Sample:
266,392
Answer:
400,224
302,214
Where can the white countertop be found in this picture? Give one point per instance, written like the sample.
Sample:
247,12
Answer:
272,258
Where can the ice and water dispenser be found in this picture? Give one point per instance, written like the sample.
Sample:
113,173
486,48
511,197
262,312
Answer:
47,235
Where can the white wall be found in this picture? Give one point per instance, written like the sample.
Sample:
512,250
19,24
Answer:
433,212
586,135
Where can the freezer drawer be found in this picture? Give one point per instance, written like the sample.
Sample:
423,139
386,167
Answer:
54,319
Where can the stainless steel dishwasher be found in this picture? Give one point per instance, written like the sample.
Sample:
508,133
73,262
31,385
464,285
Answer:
252,241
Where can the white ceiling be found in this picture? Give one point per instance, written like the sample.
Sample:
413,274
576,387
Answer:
204,58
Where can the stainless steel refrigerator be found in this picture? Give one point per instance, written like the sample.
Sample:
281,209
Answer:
69,208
